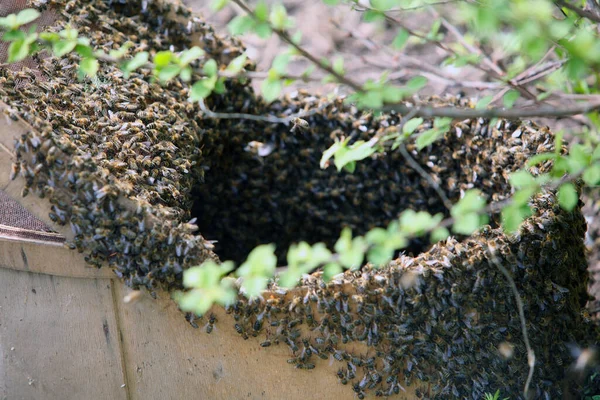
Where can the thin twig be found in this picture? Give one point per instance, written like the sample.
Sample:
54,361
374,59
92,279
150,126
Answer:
452,29
582,13
511,113
417,167
530,353
261,118
439,3
283,35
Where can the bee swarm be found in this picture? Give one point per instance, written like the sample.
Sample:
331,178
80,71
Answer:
131,164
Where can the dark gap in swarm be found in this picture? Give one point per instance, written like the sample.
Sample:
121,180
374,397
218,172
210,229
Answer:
278,194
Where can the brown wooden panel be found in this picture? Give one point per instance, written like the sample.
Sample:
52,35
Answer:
58,338
47,258
168,359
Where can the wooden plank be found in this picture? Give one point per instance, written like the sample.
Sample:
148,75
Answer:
58,338
47,258
166,358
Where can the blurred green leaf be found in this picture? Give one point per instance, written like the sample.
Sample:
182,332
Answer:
62,47
210,67
484,102
88,67
218,5
521,179
240,25
400,39
278,17
188,56
510,98
162,59
356,152
271,88
567,196
262,11
169,72
202,89
27,15
237,64
411,125
591,176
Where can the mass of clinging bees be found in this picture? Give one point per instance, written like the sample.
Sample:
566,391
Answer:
148,184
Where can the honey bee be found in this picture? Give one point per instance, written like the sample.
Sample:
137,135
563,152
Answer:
299,123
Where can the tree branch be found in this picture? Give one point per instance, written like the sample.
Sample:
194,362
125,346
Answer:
512,113
581,12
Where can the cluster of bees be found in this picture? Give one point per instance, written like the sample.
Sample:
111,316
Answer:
136,170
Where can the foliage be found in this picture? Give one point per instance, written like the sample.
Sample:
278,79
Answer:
495,396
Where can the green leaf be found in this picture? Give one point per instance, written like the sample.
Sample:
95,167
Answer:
260,262
510,98
88,67
373,15
210,68
330,270
62,47
237,64
17,51
27,15
263,30
439,234
84,51
138,61
472,202
416,83
513,215
466,224
567,196
186,74
278,17
410,125
271,88
169,72
69,34
331,2
579,157
338,66
191,55
240,25
11,36
356,152
380,255
484,102
428,137
596,154
327,154
540,158
370,99
162,59
522,179
202,89
350,167
393,94
280,63
383,5
10,22
400,40
591,176
262,11
220,86
218,5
